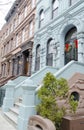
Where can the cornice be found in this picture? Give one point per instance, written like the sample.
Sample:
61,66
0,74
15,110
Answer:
12,10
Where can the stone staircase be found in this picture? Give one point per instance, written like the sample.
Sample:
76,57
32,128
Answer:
12,114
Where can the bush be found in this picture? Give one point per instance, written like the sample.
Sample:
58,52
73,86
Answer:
51,90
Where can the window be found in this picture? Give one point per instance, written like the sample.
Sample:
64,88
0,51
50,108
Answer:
7,46
2,70
41,18
11,27
75,96
14,66
8,67
49,58
16,40
14,24
19,18
30,28
55,5
37,61
7,32
4,49
71,45
18,65
12,45
33,3
25,11
23,35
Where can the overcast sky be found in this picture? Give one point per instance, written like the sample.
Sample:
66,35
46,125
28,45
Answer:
5,5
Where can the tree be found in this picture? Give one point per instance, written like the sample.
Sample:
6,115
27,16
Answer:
51,90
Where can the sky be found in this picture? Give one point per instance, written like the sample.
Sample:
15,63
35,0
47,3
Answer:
5,5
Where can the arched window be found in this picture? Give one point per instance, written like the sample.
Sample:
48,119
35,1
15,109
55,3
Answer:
37,61
41,18
49,58
71,45
55,5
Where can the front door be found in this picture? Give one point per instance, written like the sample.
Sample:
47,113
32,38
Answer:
26,62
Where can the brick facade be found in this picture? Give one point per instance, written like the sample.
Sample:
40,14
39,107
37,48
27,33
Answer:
16,38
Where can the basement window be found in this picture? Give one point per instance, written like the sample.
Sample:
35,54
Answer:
75,95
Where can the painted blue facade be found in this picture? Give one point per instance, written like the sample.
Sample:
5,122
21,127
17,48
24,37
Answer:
67,17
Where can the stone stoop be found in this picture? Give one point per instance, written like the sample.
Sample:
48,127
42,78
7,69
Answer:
12,114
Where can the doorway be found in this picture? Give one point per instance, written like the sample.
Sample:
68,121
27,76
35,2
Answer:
26,62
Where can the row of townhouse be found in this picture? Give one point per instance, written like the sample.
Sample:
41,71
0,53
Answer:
41,36
41,33
16,40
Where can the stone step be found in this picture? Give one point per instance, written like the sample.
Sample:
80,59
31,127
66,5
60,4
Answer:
20,99
12,114
17,104
11,118
15,110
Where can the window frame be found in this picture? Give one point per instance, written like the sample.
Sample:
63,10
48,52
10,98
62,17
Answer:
41,17
49,55
55,9
37,59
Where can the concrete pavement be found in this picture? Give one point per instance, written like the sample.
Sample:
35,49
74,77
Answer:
4,124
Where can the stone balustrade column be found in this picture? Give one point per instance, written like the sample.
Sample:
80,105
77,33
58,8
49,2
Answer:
9,96
27,108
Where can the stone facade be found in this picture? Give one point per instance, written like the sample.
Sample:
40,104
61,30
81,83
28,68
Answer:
56,24
76,88
16,40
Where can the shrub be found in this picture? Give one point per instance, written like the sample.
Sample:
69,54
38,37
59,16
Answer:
51,90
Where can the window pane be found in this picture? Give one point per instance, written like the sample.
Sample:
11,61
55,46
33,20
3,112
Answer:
41,18
30,29
41,15
71,45
37,61
55,8
55,4
33,3
49,58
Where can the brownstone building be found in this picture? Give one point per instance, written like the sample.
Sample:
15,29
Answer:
16,40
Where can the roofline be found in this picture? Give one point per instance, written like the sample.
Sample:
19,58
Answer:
12,10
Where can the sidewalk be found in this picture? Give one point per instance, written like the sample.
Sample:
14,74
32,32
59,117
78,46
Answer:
4,124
